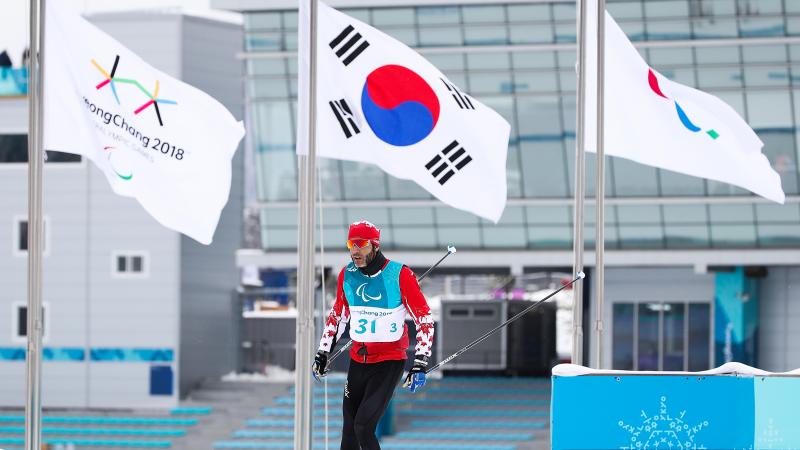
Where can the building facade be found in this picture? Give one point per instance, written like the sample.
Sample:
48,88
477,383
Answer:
129,305
698,272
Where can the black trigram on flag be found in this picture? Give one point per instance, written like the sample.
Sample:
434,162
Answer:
345,117
347,46
461,98
449,161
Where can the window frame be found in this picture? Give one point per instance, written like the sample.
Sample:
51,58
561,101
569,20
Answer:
15,336
15,235
129,255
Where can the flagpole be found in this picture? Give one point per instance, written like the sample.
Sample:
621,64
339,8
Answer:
580,167
33,399
601,186
304,353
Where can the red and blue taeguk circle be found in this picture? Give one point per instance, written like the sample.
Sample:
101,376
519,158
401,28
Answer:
400,107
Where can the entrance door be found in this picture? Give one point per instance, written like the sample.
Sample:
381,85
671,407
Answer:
662,336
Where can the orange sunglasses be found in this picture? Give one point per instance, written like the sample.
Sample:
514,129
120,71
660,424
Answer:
360,243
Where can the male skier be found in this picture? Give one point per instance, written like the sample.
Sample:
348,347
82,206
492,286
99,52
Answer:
374,295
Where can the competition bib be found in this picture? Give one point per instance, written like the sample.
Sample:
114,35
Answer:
377,313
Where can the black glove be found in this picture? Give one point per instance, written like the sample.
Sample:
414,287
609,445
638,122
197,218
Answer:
318,369
416,376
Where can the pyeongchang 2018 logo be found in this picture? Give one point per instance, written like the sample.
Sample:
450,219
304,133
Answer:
111,79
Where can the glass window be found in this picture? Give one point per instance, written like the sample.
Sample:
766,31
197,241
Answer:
128,264
641,236
274,127
755,7
731,213
279,238
533,60
779,235
779,147
632,179
634,30
771,212
539,118
767,76
362,14
675,184
714,28
264,41
490,83
14,149
412,216
699,336
447,61
460,236
437,15
733,235
330,175
512,215
531,33
407,36
668,30
711,77
452,216
413,236
768,109
440,36
670,56
549,237
648,354
485,35
20,237
565,32
564,11
625,10
513,172
552,215
495,236
262,21
674,323
686,236
333,217
639,214
268,88
764,53
493,60
528,13
392,16
761,27
483,14
544,169
290,20
272,66
622,337
793,25
695,214
666,8
714,55
405,189
276,175
535,82
279,217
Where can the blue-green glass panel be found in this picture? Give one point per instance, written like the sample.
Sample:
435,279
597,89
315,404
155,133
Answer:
670,56
274,127
453,216
414,236
493,61
549,237
535,81
638,214
640,236
407,36
739,214
533,60
766,76
768,109
565,32
440,36
460,236
279,238
764,53
632,179
714,28
495,236
724,235
544,169
277,180
686,236
268,88
779,147
712,77
525,33
564,12
275,66
377,216
622,337
279,217
775,213
625,10
549,215
785,235
685,214
513,172
757,7
330,174
438,15
512,215
392,16
363,181
483,14
668,30
717,55
634,30
264,41
666,8
262,21
290,20
678,184
611,236
529,13
403,216
447,61
406,189
761,27
485,35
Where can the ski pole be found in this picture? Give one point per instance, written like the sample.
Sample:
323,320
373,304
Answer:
455,355
450,250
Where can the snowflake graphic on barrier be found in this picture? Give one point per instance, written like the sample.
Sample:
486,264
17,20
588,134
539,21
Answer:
663,431
770,437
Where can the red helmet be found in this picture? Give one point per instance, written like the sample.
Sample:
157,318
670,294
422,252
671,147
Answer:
364,230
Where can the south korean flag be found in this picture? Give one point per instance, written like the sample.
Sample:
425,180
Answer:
379,102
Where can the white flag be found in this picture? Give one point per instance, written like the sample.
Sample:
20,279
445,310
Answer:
654,121
157,139
380,102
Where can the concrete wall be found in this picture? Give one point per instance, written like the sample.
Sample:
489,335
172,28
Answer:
209,315
779,333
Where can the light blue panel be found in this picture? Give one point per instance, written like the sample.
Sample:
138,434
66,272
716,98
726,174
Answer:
652,412
776,412
132,354
48,354
736,317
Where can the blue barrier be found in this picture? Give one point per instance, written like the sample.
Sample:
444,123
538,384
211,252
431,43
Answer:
734,406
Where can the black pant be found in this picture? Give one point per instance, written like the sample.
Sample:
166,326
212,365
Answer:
367,393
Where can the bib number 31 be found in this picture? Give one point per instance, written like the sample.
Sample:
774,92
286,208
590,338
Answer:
362,326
